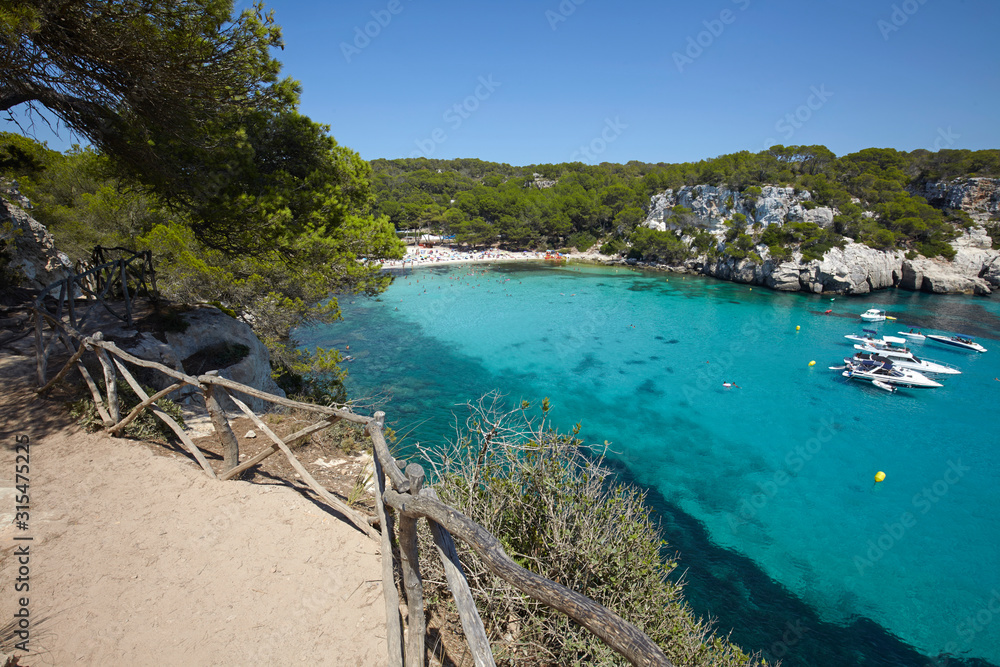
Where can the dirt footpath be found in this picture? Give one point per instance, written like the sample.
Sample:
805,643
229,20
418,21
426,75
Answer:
138,559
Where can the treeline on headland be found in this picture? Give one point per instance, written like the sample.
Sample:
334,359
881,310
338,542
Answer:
577,205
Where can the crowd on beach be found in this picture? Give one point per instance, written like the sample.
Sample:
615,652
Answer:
419,256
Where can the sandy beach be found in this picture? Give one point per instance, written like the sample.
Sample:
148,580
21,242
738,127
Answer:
417,256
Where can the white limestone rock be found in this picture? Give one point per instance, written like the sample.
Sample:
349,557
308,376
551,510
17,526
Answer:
940,277
34,255
208,327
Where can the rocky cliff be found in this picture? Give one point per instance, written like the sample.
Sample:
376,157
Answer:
855,269
33,257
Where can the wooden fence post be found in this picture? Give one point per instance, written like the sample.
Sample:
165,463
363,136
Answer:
390,595
230,445
40,359
110,379
416,624
472,624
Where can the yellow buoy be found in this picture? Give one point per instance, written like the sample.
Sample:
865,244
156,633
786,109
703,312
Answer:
797,327
879,477
812,363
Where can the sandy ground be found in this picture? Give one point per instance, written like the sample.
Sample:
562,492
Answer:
140,559
442,255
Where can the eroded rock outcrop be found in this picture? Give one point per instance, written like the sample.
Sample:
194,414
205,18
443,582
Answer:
209,330
33,257
979,197
711,206
853,269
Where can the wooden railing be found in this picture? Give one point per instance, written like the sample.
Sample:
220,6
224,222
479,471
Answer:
405,494
111,286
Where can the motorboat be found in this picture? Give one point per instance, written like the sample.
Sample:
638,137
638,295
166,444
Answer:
873,315
871,339
887,372
958,341
912,335
903,358
867,336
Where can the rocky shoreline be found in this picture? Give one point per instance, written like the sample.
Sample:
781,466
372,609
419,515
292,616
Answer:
854,269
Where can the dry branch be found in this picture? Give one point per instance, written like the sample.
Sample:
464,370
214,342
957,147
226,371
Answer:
291,441
359,521
168,420
615,631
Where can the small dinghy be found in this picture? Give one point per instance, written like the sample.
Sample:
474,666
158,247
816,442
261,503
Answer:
884,385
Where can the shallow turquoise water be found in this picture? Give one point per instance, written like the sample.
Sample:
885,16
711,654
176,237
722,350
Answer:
766,490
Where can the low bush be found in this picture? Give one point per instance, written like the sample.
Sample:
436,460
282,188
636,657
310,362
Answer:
146,426
582,241
557,511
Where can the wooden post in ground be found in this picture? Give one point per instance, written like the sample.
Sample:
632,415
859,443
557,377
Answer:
110,379
40,370
393,622
416,624
472,624
230,445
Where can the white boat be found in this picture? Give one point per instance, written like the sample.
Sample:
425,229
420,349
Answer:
871,338
912,335
961,342
886,372
873,315
868,335
903,358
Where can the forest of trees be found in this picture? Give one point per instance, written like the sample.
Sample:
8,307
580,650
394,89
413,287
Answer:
577,205
197,149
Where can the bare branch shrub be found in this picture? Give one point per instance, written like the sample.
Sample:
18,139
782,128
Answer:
558,512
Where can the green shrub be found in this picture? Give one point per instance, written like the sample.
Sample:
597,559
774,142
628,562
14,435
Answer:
146,426
613,247
933,248
779,253
582,241
557,512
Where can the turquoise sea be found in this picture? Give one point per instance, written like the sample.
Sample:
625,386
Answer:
766,491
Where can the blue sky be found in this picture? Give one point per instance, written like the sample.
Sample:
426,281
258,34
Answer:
591,80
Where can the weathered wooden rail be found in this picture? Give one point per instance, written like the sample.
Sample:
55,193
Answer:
104,284
404,494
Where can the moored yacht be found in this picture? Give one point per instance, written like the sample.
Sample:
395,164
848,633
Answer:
958,341
905,359
873,315
885,371
867,336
